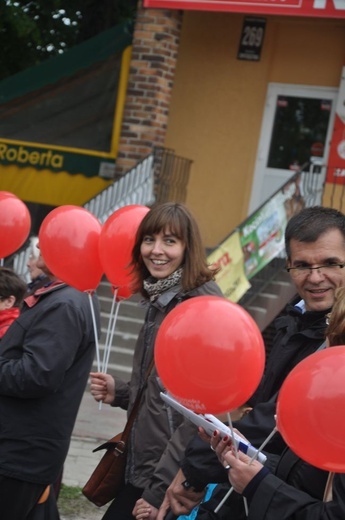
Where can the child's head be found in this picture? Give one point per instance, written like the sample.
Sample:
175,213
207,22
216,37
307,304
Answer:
12,289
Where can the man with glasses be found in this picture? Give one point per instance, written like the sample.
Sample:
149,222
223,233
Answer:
315,249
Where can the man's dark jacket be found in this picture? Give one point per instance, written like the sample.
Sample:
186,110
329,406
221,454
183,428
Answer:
45,359
298,335
294,492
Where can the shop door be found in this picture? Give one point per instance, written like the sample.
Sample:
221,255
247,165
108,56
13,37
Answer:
297,125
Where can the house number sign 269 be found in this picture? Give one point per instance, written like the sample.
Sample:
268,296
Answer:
252,38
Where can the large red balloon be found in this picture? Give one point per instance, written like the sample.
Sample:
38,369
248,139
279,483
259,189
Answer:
310,409
15,223
68,240
210,354
117,241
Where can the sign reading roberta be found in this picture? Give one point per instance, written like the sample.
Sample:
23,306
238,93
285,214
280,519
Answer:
319,8
30,156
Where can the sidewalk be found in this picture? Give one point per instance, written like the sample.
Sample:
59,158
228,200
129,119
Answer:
93,426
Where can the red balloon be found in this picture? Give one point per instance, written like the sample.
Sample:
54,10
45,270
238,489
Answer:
117,241
210,354
15,223
122,293
68,240
310,409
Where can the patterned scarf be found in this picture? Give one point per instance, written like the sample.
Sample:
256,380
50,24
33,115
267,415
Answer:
157,287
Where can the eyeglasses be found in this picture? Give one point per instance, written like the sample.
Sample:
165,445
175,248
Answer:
305,270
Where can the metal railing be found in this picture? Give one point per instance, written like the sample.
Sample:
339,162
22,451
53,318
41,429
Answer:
136,187
160,177
172,174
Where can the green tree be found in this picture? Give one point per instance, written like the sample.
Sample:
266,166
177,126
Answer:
32,31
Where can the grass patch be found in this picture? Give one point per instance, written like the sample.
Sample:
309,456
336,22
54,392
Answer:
72,503
69,492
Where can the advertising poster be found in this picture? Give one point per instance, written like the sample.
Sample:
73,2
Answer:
231,277
262,235
336,161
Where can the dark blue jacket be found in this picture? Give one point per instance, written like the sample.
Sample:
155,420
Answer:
46,356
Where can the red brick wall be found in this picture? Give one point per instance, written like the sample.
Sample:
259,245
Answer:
154,56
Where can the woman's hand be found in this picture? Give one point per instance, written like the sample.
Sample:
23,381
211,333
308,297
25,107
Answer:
220,445
102,387
143,510
240,472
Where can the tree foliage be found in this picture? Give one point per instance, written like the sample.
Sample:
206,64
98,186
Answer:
32,31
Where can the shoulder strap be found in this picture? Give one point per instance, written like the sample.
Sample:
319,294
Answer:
135,408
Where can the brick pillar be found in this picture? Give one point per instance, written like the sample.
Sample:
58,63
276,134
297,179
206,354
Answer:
154,55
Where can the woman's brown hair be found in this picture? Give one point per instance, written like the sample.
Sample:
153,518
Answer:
177,218
335,331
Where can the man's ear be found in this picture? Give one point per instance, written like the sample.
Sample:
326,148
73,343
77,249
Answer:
10,301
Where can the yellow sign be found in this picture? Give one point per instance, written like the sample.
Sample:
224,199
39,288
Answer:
231,277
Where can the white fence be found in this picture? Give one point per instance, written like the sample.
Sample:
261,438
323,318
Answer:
136,187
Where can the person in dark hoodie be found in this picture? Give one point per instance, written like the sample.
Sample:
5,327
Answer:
45,359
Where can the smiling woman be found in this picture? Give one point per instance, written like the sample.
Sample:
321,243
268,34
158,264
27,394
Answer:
168,266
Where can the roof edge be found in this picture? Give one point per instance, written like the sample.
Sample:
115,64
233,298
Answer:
78,57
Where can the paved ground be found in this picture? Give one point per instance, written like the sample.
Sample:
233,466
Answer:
92,427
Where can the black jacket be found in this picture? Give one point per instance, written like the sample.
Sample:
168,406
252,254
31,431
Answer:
45,360
294,492
298,335
275,498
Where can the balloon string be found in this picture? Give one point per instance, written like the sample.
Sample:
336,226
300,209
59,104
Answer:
95,330
232,434
107,343
224,499
263,445
245,503
111,336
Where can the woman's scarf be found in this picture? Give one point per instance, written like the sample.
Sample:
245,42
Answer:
155,287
